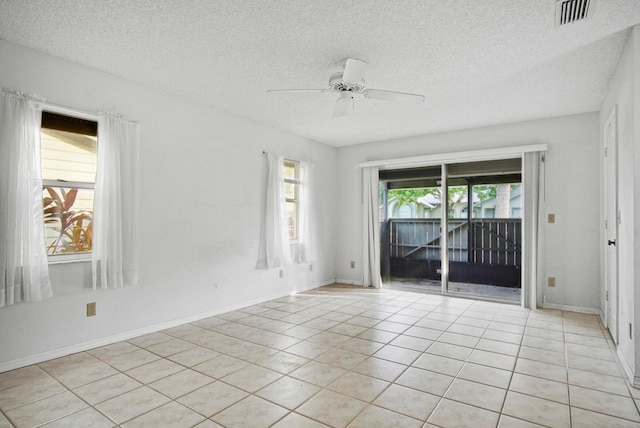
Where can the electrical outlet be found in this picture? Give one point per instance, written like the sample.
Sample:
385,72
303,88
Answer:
353,265
551,218
91,309
551,281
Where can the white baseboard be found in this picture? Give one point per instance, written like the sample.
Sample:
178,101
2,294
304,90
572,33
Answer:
570,308
85,346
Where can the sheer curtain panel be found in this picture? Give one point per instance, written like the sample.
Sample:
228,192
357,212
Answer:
114,258
307,242
371,227
23,259
274,250
533,228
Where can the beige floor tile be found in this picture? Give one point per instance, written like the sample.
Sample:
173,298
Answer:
45,410
486,375
498,326
212,398
250,412
451,351
511,422
298,421
375,417
318,373
544,333
436,363
73,377
171,414
594,365
503,336
113,350
132,404
426,381
397,354
207,423
536,410
376,335
410,342
362,321
380,368
424,333
348,329
359,386
407,401
590,351
251,378
220,366
541,388
4,422
151,338
86,418
596,342
600,382
331,408
361,346
341,358
130,360
104,389
309,349
492,359
602,402
537,354
467,329
498,347
29,374
30,391
452,414
301,332
154,371
581,418
543,343
473,323
288,392
540,369
283,362
458,339
193,356
476,394
181,383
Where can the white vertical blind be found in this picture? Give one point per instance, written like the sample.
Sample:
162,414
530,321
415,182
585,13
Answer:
24,272
533,227
307,234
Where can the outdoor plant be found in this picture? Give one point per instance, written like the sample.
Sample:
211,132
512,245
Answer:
74,228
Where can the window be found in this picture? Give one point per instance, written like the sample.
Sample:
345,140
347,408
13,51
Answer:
292,196
68,153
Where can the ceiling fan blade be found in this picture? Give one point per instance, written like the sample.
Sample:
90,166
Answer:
315,91
354,71
342,106
380,94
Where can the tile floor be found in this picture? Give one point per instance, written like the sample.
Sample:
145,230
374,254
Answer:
339,356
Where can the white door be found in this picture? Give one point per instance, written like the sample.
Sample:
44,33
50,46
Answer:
611,224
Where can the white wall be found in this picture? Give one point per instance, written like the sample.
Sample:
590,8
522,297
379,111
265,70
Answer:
572,242
624,92
201,175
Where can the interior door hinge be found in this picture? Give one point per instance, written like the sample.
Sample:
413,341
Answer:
606,225
606,295
606,151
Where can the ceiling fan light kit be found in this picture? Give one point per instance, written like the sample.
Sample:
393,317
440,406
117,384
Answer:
349,83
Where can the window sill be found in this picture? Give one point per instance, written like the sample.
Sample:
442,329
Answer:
68,258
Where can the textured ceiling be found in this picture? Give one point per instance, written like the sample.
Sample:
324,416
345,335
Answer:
478,63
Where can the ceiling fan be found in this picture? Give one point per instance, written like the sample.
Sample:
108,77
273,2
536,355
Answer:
349,84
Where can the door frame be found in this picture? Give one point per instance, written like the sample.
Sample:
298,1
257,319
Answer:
611,220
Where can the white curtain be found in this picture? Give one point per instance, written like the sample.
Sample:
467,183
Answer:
274,250
307,235
371,227
114,256
533,228
23,259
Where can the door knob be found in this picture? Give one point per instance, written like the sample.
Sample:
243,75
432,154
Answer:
611,242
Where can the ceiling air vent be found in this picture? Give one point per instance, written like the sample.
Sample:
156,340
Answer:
568,11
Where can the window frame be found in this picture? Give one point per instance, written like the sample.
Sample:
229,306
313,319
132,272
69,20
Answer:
59,183
296,199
